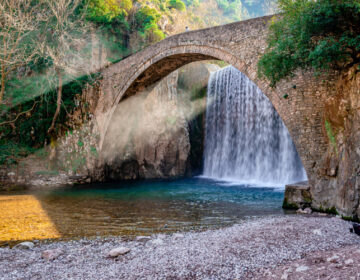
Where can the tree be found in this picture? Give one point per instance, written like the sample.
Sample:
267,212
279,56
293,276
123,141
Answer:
319,35
19,22
106,10
66,38
177,4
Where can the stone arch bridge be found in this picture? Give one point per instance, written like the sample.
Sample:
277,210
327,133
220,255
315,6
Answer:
239,44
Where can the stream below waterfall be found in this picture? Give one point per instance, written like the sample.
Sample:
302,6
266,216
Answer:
248,158
139,208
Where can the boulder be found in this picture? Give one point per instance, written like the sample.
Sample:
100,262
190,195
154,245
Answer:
297,196
25,245
118,252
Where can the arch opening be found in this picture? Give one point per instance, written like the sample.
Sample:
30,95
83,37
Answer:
161,66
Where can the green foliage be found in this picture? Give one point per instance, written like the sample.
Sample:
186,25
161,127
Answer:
77,163
288,205
147,24
330,134
146,16
319,35
11,152
194,3
354,219
332,211
47,172
42,153
177,4
29,132
94,151
104,11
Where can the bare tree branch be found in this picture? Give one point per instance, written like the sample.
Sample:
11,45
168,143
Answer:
20,114
19,21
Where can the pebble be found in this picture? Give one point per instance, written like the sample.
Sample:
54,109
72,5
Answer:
333,259
51,255
302,268
143,238
305,211
118,251
157,241
178,235
25,245
236,252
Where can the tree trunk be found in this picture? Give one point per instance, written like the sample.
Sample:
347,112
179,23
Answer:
58,102
2,90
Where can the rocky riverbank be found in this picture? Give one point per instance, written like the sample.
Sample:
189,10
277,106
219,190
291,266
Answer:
262,248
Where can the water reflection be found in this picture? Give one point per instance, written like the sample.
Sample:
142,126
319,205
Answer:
144,208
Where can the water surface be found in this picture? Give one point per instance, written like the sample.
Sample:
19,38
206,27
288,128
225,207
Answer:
143,208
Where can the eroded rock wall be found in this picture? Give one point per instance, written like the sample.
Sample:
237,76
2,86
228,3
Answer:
150,133
337,181
148,137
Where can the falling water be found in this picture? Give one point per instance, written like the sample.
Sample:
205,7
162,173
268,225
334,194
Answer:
246,139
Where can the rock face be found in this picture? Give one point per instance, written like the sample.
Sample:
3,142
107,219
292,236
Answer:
149,135
155,134
338,177
192,84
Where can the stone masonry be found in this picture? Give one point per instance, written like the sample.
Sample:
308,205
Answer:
300,101
240,44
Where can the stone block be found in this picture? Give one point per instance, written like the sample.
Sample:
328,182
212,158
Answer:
297,196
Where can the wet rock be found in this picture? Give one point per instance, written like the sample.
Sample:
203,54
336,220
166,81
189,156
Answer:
297,196
25,245
356,228
51,255
118,251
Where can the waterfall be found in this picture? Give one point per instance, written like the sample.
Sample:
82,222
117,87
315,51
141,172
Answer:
245,138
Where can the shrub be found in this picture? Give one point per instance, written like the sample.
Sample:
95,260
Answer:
177,4
319,35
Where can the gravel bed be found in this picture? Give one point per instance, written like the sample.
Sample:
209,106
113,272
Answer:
228,253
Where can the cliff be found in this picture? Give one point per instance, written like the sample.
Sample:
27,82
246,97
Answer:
338,180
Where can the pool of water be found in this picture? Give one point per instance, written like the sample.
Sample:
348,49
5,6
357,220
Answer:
143,208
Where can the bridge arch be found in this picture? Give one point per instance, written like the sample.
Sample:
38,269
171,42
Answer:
239,44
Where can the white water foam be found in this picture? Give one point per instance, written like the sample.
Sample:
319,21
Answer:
246,142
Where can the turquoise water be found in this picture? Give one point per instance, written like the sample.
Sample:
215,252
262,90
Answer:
142,208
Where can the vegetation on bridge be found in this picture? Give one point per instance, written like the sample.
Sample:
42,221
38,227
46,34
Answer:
319,35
